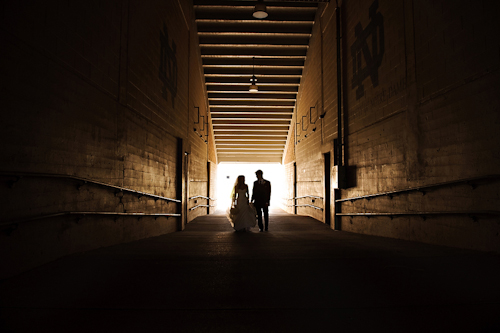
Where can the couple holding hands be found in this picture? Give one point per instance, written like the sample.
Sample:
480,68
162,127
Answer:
242,213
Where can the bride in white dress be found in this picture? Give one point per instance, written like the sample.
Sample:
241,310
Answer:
241,214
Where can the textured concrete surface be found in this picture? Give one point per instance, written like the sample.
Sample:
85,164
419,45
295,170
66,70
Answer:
298,277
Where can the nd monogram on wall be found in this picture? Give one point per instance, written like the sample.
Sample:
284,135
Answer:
360,49
168,66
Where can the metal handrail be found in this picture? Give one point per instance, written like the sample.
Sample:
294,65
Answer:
40,217
472,214
312,206
19,175
203,197
198,206
309,196
419,188
305,196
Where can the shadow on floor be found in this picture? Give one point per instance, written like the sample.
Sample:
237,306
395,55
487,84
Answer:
301,276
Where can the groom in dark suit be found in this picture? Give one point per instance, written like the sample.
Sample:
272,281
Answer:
261,196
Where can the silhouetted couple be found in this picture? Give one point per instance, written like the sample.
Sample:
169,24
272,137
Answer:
242,213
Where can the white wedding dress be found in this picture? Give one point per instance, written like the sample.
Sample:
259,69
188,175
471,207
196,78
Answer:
244,216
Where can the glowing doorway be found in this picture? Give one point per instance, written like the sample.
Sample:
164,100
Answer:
228,172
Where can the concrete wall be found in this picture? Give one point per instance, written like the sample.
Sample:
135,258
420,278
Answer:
313,135
86,92
421,108
201,137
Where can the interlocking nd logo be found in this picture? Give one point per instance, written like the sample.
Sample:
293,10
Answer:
360,48
168,66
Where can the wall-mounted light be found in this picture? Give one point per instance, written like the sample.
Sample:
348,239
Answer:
253,80
260,10
313,130
200,135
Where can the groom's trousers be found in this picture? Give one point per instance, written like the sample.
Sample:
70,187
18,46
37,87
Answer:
260,210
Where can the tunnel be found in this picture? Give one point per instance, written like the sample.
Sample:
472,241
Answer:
126,123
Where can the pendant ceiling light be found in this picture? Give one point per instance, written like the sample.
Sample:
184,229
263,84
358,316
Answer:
260,10
253,80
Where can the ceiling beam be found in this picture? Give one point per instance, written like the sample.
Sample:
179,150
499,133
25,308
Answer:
251,159
237,116
252,127
250,132
250,139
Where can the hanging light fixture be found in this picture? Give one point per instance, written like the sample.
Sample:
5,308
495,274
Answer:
260,10
253,80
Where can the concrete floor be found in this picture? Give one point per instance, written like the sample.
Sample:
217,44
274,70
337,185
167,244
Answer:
298,277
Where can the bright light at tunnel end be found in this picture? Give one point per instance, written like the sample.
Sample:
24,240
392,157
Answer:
228,172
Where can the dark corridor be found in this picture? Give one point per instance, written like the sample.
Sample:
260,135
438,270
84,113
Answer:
301,276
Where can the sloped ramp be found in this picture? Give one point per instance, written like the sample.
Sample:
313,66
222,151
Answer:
298,277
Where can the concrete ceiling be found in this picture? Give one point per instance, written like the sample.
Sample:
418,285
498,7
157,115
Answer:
253,126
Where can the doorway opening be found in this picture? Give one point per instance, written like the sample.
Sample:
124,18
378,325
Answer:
327,190
209,183
227,173
295,188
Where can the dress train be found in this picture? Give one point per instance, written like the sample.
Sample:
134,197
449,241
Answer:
243,215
